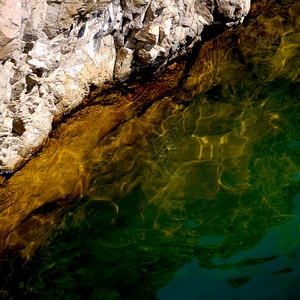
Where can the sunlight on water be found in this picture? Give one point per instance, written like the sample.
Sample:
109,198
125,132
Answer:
195,197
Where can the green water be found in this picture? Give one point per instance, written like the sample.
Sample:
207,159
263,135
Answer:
192,213
196,200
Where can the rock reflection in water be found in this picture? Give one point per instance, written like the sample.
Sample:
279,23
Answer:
215,159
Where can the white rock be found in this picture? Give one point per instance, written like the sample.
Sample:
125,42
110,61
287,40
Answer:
37,63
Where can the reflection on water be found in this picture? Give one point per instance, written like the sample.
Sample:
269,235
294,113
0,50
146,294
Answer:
198,195
275,278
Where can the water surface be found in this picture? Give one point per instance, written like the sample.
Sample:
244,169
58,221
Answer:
198,196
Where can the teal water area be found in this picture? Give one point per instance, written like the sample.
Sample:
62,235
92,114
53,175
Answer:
196,199
277,278
203,212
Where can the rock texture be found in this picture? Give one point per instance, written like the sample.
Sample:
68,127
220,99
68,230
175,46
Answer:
52,52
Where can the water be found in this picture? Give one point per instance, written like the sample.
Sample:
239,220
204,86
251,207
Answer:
195,198
277,278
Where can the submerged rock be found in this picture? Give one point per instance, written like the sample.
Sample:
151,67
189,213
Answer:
51,52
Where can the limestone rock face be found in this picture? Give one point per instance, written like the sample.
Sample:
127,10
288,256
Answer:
51,52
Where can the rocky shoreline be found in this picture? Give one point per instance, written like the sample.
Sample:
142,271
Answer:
52,52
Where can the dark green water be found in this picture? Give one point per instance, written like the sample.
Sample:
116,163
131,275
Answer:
194,201
199,205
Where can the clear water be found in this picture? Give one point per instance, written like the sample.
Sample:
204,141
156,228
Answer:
199,196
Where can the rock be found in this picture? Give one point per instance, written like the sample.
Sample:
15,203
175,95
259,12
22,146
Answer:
11,12
52,51
123,63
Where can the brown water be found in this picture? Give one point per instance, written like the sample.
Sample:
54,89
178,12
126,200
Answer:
195,197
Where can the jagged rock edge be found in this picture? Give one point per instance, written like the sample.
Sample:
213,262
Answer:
53,51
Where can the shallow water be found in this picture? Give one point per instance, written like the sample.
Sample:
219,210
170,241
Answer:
198,197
